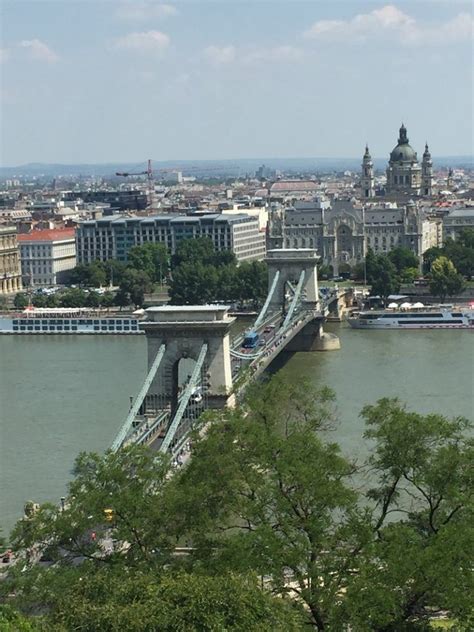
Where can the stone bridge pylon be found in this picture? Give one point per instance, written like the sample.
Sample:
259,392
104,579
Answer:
183,330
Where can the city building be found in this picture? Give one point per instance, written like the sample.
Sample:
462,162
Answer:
404,173
457,220
47,256
112,237
10,271
343,232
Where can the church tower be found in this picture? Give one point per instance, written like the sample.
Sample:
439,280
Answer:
403,171
427,173
367,183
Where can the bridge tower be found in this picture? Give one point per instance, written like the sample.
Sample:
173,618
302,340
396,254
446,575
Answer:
183,330
297,268
286,265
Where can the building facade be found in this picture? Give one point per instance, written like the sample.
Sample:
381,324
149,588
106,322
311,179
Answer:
344,232
456,221
112,237
10,270
47,256
404,173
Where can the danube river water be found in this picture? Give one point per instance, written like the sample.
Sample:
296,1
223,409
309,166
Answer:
63,394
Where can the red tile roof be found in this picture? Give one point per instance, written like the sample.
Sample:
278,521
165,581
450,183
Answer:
53,234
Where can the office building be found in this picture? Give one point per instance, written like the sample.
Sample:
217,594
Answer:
112,237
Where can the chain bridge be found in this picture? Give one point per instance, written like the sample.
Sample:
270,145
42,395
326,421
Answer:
193,364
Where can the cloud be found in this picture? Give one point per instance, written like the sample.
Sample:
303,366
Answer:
389,21
4,55
275,54
139,11
220,55
146,42
38,50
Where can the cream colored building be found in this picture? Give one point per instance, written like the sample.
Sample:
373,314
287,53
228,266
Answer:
10,271
47,255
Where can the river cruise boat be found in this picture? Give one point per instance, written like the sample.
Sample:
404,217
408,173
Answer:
439,317
68,321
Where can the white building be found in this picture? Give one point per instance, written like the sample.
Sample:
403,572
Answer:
47,255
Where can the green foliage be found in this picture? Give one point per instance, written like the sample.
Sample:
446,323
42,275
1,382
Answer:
403,258
265,495
133,287
151,258
459,251
21,301
325,272
12,621
408,275
382,276
201,251
202,276
141,601
445,280
89,275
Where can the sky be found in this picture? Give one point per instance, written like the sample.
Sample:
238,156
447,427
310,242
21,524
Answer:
109,81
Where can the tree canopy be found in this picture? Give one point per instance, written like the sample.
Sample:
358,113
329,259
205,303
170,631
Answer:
444,279
378,546
459,251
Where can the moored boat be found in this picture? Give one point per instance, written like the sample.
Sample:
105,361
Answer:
435,317
68,321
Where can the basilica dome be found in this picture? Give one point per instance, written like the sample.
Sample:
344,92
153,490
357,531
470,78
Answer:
403,152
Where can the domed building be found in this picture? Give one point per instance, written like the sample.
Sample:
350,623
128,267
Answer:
404,173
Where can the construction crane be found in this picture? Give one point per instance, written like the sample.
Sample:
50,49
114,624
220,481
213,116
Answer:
151,184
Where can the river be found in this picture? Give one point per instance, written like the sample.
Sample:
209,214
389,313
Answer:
63,394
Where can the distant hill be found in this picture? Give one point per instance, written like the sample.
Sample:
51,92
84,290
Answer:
216,167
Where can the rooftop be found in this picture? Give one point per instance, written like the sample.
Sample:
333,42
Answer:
54,234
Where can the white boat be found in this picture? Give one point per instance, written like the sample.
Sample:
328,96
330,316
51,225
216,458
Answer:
436,317
67,321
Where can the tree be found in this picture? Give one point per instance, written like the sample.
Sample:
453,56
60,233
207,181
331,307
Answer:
12,621
325,271
21,300
134,285
408,275
429,256
268,495
403,258
151,258
199,250
114,271
109,599
265,495
193,283
74,297
445,280
422,560
253,279
383,277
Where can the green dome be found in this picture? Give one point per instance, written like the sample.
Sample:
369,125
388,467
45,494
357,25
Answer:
403,153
